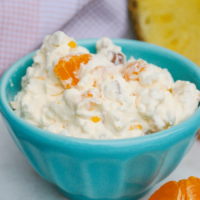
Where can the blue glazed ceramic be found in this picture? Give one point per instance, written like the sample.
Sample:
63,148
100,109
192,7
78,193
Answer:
84,169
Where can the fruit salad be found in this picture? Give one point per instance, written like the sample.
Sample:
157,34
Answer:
73,92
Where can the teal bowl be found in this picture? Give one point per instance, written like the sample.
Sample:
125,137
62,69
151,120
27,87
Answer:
84,169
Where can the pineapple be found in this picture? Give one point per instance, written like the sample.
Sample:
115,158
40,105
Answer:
174,24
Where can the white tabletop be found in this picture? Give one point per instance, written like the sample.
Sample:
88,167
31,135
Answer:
18,181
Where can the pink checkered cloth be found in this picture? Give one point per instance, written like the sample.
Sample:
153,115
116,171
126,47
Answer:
25,23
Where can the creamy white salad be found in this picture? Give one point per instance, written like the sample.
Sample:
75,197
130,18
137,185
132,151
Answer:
103,96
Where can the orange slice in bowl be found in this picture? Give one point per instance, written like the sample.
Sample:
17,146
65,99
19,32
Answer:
68,67
133,69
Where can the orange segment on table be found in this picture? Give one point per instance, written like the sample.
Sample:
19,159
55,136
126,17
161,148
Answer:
193,188
183,190
68,67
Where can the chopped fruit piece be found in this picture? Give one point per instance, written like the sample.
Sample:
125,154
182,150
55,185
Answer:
95,84
133,69
89,95
170,90
68,67
91,106
135,127
136,101
116,57
143,69
72,44
95,119
183,190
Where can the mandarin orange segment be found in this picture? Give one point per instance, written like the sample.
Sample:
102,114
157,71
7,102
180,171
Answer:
72,44
135,127
169,191
193,188
183,190
68,67
89,95
91,106
133,69
182,186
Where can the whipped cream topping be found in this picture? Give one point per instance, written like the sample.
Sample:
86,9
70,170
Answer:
113,98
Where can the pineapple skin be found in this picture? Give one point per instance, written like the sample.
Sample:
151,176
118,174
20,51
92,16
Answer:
174,24
133,12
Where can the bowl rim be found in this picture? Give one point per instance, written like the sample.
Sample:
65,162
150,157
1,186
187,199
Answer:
40,134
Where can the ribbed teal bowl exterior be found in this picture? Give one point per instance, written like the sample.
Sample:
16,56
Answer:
85,169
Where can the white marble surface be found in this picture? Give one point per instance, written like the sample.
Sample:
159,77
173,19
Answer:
18,181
